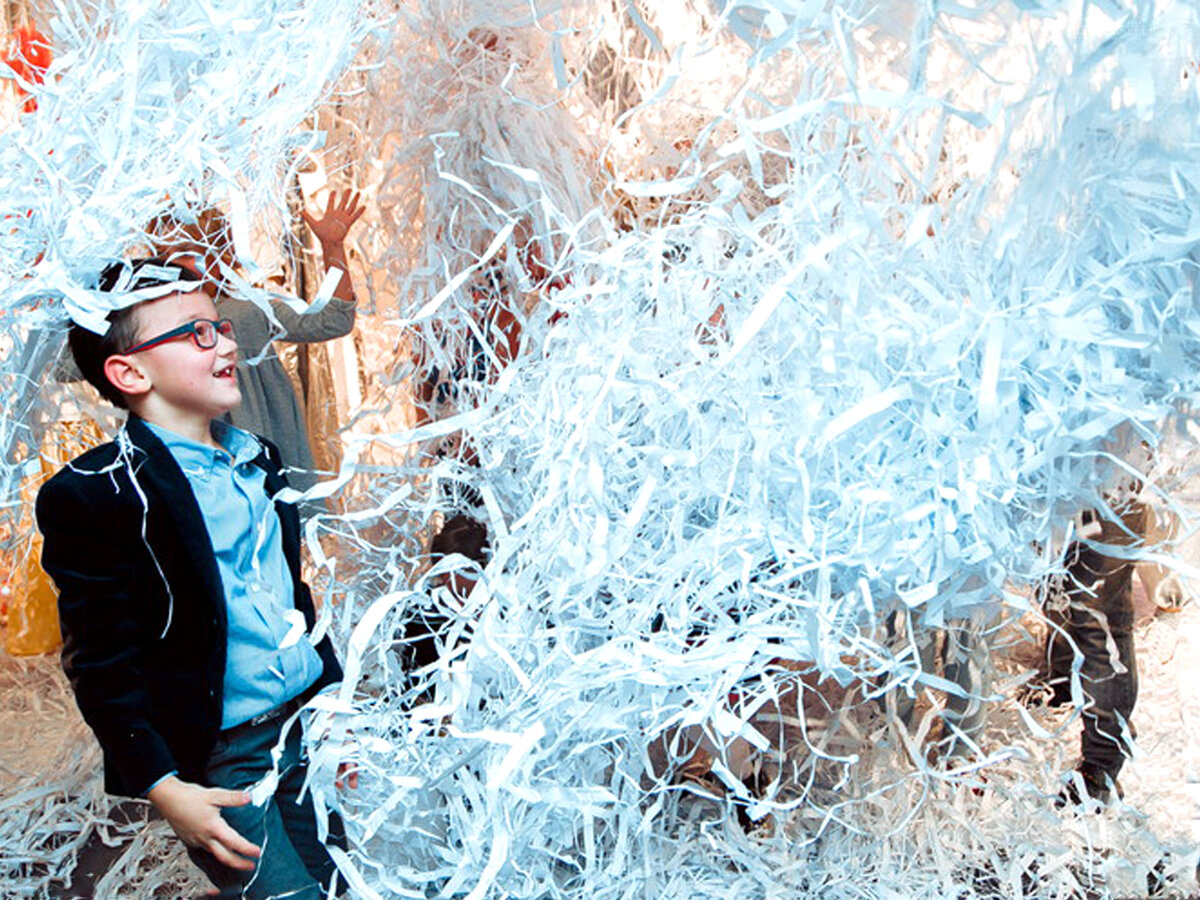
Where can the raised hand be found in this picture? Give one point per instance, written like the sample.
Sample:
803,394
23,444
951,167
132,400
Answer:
341,211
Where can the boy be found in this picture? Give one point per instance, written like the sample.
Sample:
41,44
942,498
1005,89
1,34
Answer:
183,612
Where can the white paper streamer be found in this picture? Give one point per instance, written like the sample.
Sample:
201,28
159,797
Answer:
854,295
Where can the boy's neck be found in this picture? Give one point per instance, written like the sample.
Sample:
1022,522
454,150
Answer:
198,429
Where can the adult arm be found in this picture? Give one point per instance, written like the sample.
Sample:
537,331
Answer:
336,319
341,212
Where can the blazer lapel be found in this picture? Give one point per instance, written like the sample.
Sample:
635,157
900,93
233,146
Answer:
162,475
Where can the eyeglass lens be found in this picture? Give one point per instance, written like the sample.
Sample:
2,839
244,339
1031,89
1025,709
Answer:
206,331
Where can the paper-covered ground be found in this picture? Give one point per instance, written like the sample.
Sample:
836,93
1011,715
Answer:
996,834
777,344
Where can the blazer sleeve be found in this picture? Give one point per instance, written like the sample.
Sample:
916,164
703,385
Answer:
92,561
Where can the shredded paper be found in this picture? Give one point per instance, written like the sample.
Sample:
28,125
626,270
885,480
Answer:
774,345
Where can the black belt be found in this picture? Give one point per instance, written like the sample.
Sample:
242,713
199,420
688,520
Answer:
279,712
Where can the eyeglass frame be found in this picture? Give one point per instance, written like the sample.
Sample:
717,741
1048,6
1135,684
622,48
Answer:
221,327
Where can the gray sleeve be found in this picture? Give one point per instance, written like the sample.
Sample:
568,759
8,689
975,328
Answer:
334,320
255,330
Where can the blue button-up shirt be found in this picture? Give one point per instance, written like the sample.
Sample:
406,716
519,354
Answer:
269,659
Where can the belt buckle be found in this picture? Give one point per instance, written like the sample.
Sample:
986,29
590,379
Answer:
269,715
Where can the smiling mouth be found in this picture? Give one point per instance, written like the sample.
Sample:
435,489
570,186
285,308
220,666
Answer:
226,372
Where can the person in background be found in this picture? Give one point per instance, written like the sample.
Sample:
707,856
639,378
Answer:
269,405
427,629
1093,616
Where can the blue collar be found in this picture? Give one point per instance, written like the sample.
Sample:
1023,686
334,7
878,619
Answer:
237,447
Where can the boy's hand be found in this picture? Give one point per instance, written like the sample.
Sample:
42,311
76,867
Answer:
340,213
194,812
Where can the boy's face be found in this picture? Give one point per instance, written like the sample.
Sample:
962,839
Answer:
181,380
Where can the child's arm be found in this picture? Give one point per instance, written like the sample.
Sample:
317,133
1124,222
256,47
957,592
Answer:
194,812
330,230
92,565
337,318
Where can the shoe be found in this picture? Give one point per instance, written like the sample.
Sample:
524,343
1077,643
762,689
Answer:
1060,693
1156,878
1040,692
1098,785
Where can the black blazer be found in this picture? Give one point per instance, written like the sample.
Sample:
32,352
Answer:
142,606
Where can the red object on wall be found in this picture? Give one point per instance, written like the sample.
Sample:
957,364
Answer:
29,56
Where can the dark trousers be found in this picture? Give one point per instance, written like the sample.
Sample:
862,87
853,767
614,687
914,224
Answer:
1095,615
294,863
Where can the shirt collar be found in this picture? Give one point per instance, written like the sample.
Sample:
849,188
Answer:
239,446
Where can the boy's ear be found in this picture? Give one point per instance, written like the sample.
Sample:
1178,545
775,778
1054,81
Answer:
126,375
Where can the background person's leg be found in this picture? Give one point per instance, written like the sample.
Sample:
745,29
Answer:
1098,619
966,655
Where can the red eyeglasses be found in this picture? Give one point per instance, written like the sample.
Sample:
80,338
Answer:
203,331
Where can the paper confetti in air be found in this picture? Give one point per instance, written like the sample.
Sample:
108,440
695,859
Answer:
776,347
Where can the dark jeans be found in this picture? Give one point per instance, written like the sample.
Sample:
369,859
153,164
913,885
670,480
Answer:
1096,614
294,863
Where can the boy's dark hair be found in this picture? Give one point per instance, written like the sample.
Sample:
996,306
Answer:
89,349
